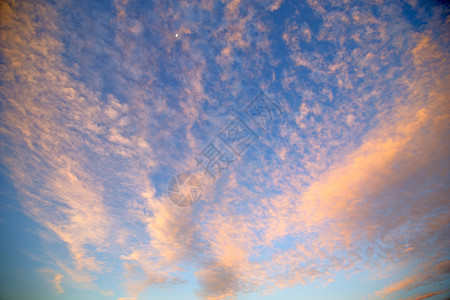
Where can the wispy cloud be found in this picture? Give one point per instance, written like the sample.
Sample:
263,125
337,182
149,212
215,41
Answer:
55,279
430,274
354,178
430,295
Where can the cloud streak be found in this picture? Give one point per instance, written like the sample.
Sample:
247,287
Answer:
353,178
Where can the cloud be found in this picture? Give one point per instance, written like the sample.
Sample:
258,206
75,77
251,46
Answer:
430,295
357,211
49,124
430,274
276,5
352,184
170,238
218,282
56,279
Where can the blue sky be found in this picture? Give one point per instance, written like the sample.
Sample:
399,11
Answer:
317,130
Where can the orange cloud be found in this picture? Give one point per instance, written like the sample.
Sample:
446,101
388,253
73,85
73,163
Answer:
56,279
346,212
430,295
356,203
430,274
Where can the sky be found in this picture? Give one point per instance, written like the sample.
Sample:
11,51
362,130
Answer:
201,149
